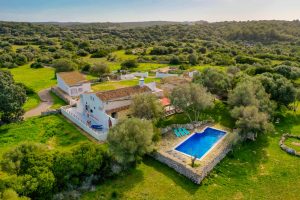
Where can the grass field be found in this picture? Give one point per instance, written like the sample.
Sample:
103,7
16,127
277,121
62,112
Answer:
254,170
52,130
57,102
112,85
36,79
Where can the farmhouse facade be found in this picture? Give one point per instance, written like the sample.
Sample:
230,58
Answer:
73,83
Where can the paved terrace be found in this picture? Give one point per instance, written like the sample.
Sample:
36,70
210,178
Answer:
182,163
80,120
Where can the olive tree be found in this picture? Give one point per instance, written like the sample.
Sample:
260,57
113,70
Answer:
12,98
191,99
130,140
216,81
251,107
146,106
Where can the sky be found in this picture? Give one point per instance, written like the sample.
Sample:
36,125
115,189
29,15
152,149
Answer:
147,10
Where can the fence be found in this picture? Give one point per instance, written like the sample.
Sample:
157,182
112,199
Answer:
101,136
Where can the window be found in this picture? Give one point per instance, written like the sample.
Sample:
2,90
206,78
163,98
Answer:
91,110
80,89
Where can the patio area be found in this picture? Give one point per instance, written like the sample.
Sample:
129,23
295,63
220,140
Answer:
182,163
80,119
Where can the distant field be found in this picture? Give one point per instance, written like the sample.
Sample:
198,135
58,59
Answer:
52,130
112,85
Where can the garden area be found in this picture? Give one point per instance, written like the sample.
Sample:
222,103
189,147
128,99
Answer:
258,170
54,131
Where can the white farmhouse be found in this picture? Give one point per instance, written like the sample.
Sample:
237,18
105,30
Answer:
103,108
73,83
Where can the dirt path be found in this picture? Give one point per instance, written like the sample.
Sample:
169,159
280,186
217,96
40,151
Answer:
46,103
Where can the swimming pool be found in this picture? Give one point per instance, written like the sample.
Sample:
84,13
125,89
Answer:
200,143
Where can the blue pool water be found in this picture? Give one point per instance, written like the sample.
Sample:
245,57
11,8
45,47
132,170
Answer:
200,143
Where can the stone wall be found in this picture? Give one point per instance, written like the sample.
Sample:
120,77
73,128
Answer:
65,97
286,148
197,174
190,126
51,112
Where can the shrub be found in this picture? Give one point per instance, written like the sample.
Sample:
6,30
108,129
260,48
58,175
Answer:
127,64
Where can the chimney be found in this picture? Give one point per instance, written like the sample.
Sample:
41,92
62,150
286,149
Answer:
141,82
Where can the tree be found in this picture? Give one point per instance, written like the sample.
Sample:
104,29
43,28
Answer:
100,69
128,64
216,81
296,100
193,59
100,53
252,107
64,65
288,71
175,60
130,140
12,98
191,99
251,121
281,89
250,92
146,106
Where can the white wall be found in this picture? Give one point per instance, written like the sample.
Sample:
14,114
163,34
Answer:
77,90
102,136
163,75
62,85
141,74
98,116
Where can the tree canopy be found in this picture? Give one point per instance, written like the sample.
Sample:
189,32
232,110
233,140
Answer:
130,140
12,98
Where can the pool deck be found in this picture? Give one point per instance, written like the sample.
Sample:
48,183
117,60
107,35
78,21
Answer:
182,162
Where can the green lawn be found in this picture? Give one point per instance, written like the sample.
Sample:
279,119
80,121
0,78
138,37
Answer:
57,102
36,79
52,130
112,85
254,170
33,100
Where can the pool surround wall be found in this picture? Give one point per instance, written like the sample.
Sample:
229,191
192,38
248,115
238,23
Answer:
206,164
201,132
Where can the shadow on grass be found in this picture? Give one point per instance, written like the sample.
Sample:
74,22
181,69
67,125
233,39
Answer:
242,162
114,188
178,179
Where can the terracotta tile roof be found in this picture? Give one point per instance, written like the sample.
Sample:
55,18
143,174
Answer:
165,101
72,78
117,109
122,92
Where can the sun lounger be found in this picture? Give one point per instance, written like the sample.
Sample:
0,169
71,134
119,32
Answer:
186,131
182,132
177,133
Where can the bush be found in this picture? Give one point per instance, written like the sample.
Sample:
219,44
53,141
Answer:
175,60
36,65
127,64
64,65
82,53
100,69
100,53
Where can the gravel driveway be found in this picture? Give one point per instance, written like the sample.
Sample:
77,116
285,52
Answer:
46,103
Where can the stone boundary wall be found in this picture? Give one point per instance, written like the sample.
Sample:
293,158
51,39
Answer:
285,147
190,126
198,174
51,112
